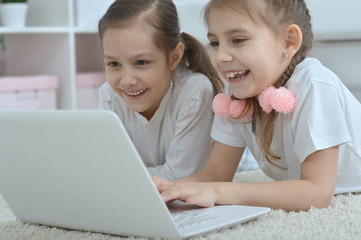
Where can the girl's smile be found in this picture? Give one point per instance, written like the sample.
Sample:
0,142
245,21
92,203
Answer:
135,93
236,76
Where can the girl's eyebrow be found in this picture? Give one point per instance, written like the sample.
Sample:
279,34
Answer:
142,54
108,57
209,35
136,55
230,32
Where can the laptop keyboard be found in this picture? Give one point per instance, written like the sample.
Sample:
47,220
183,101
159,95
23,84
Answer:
187,219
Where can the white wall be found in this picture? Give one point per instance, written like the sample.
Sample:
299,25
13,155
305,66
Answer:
337,29
190,13
336,20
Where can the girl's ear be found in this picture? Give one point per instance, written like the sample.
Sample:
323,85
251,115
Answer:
176,56
293,40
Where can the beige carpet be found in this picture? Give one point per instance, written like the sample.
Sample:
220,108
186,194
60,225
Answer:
342,220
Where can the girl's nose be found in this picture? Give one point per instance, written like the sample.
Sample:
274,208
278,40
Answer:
128,78
223,55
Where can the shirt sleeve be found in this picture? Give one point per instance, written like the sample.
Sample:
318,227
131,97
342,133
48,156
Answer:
228,132
191,144
319,120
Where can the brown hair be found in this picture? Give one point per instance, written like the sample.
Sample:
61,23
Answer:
277,15
162,16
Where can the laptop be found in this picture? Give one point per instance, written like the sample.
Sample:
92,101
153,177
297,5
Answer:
80,170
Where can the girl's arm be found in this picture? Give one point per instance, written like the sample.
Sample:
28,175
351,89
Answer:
221,166
316,188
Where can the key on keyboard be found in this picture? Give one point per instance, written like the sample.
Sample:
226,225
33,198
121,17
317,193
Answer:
186,219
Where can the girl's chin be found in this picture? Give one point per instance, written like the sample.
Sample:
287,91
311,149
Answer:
240,95
139,108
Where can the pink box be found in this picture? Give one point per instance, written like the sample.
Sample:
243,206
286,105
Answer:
87,89
28,92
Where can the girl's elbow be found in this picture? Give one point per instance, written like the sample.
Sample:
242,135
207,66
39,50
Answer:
322,200
322,204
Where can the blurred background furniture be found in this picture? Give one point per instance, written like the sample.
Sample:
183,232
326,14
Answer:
60,38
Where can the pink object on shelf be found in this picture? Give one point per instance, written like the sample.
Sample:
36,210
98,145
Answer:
87,89
28,92
24,83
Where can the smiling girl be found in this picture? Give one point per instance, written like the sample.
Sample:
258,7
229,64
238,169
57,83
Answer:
160,82
296,116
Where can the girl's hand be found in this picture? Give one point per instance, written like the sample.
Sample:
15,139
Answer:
161,183
198,193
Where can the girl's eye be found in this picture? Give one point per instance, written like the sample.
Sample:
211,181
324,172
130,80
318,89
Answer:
214,44
114,64
141,62
239,40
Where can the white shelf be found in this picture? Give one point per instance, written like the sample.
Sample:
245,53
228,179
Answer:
52,44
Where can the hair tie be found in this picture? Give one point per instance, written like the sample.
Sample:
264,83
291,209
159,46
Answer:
281,100
180,31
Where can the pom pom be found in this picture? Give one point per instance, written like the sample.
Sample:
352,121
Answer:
221,104
283,100
265,99
237,107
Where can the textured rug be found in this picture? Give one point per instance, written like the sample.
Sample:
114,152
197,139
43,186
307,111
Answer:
341,220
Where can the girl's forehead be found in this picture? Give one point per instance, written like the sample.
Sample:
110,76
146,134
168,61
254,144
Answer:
255,9
233,16
132,29
255,14
131,41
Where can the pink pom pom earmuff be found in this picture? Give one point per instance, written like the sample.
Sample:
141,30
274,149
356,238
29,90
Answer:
220,105
282,100
225,107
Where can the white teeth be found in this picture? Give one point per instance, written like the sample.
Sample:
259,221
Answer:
232,74
135,93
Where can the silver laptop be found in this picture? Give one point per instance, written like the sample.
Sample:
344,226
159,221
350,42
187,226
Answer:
80,170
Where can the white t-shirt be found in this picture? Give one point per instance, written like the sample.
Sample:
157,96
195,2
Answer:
176,142
326,115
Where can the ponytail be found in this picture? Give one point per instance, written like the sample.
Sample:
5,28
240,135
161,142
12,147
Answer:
197,59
